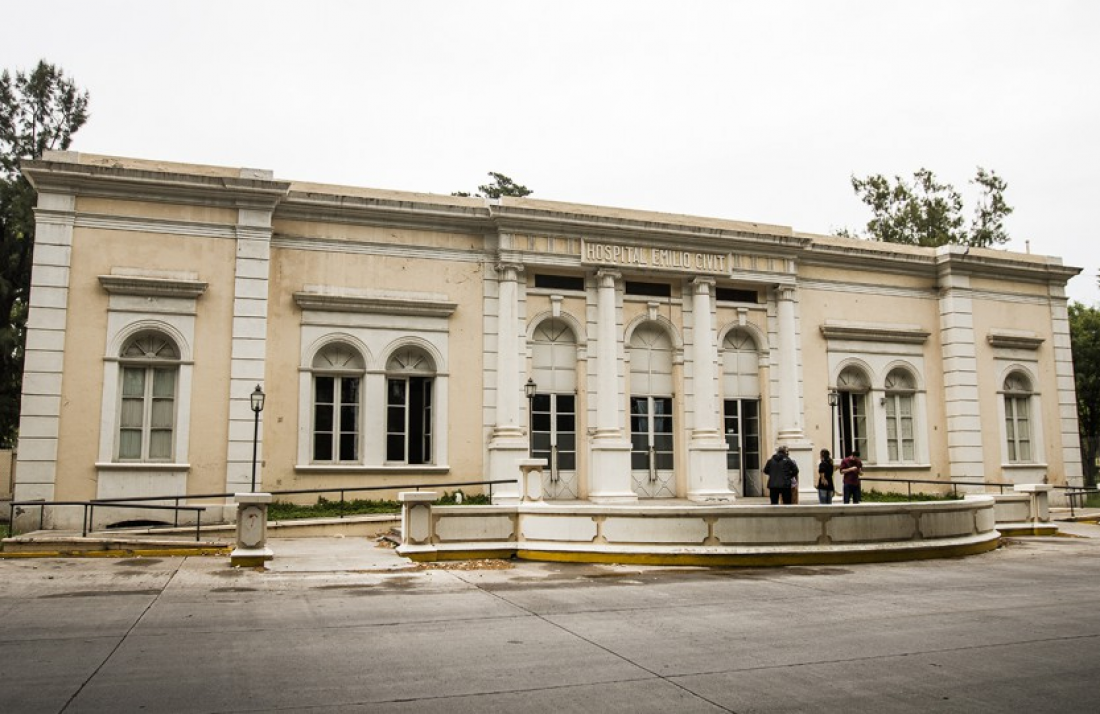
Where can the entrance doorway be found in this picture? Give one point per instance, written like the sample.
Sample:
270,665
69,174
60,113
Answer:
554,438
651,452
741,419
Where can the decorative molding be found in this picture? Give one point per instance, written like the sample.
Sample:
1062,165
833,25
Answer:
382,305
1014,339
874,332
152,287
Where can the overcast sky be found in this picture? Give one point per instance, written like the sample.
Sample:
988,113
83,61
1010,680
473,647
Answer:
757,111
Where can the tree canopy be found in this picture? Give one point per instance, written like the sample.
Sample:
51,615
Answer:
1084,330
500,186
929,213
39,111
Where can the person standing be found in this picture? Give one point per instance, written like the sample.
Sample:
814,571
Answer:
825,487
782,474
851,467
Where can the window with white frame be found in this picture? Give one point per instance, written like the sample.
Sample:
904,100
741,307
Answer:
149,374
1017,401
900,441
853,386
410,377
337,404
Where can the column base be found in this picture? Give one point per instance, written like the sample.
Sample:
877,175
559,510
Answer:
250,557
505,455
609,472
707,478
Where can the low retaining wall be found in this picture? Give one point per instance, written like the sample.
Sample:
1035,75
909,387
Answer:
706,535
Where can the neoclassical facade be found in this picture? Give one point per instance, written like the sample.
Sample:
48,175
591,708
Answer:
394,334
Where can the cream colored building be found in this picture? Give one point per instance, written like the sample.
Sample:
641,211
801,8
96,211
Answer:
393,334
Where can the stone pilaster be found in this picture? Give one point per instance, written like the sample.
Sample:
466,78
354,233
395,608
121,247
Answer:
249,341
790,379
40,414
508,444
960,375
1067,390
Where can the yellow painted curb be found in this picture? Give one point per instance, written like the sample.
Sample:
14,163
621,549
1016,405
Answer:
129,553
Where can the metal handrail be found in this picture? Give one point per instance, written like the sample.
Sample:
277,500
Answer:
89,512
176,508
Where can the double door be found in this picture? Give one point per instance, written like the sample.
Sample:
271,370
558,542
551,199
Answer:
741,421
651,452
554,438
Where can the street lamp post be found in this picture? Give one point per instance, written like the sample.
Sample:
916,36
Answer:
834,399
257,407
529,390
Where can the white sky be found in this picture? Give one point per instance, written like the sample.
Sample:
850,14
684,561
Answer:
755,111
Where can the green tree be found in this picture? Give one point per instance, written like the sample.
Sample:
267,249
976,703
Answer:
929,213
39,111
501,186
1084,331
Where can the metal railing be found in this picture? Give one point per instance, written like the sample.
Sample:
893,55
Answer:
89,512
143,502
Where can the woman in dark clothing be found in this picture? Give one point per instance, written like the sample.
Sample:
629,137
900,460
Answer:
825,488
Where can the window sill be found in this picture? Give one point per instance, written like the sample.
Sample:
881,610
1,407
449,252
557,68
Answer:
140,466
897,467
1023,466
359,469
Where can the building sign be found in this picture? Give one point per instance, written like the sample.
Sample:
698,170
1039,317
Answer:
632,256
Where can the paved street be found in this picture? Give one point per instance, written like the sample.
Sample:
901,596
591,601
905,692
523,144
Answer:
341,625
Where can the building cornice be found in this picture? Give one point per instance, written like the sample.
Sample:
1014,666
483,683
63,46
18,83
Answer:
152,287
365,304
1014,339
129,183
874,332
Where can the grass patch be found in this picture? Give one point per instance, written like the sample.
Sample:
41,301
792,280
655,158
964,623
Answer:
1092,500
324,508
890,497
5,530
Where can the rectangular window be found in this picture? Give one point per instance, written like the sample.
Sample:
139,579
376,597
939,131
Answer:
147,417
560,282
735,295
336,419
648,289
900,445
1018,429
409,420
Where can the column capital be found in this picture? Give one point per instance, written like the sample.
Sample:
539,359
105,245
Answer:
509,271
703,284
786,292
607,278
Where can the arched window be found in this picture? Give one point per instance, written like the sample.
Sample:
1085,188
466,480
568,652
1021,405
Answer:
900,443
853,386
741,411
410,375
149,371
554,405
1017,399
651,434
337,394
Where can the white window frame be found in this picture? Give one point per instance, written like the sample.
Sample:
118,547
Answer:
148,367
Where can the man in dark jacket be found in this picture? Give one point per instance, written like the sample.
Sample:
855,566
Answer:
781,471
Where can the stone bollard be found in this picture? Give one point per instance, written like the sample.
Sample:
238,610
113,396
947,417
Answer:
251,547
531,480
1040,500
416,517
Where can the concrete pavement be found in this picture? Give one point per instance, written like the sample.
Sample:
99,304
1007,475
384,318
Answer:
341,625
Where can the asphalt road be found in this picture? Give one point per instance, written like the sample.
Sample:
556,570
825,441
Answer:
343,626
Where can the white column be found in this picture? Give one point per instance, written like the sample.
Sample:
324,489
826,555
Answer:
508,444
707,479
609,468
790,415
